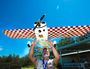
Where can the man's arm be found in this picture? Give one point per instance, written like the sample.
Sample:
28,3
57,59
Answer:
31,52
55,53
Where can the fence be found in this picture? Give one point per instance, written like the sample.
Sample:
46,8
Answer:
9,66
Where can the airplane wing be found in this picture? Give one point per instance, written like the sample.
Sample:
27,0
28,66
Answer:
68,31
64,31
20,33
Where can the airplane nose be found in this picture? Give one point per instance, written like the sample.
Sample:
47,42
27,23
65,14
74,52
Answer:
41,36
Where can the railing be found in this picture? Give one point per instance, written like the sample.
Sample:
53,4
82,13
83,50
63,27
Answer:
76,66
87,65
71,65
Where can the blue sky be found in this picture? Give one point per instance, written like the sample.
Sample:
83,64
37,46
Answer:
18,14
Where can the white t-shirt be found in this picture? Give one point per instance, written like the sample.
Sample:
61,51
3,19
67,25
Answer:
41,64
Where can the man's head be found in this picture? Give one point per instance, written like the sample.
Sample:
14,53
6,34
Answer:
45,54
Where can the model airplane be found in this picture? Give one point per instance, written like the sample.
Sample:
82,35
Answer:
41,31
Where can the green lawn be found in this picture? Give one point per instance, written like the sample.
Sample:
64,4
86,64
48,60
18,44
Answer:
29,67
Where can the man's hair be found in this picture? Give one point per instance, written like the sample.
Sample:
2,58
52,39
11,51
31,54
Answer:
44,49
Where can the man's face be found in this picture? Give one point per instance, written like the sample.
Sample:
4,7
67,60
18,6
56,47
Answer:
45,51
45,54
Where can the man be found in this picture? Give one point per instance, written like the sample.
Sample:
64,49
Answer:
45,63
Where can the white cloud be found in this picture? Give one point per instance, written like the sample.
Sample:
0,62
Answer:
25,52
57,7
1,48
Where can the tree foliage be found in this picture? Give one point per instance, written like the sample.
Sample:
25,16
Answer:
16,59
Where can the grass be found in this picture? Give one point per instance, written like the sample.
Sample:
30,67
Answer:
28,67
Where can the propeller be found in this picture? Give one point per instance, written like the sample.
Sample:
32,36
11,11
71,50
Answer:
38,22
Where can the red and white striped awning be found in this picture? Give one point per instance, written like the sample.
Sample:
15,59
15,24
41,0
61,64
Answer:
65,31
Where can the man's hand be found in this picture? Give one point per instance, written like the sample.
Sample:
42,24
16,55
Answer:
55,53
34,43
51,44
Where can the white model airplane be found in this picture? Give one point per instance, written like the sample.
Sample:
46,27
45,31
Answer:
41,31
